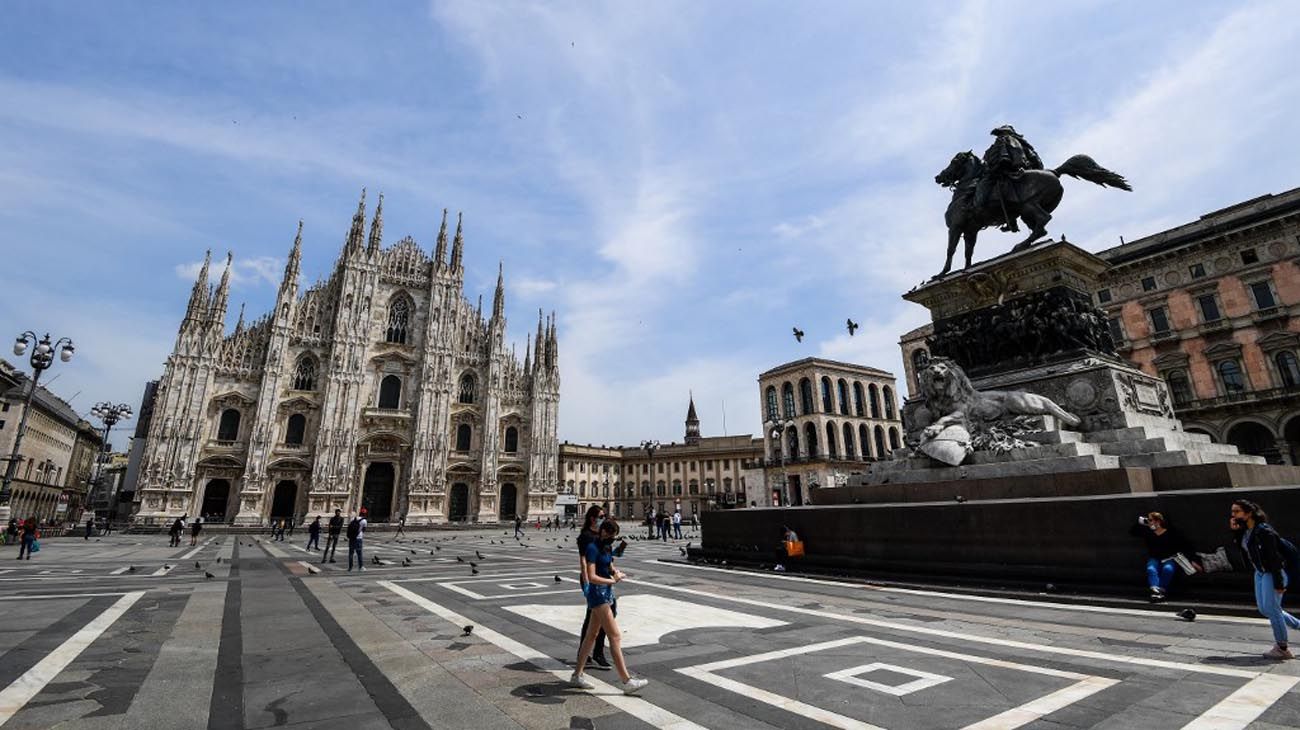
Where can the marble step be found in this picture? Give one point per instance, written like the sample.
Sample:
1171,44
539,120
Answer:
1162,444
1185,458
1046,451
1031,467
1138,433
1055,437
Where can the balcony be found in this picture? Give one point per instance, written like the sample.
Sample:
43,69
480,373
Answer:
1239,397
400,414
1164,336
1219,325
1271,313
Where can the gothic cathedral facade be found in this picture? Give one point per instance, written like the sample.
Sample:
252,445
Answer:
380,387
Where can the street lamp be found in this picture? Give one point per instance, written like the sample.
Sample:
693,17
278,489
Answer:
650,447
777,433
42,358
109,414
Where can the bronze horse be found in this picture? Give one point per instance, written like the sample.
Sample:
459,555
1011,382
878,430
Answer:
1038,193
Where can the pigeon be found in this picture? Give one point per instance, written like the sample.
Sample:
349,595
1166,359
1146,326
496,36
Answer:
473,571
412,552
167,567
683,551
559,547
473,564
131,569
406,562
375,559
557,579
436,547
1187,614
960,499
208,576
431,552
197,566
798,334
313,569
853,326
218,559
459,559
480,555
468,630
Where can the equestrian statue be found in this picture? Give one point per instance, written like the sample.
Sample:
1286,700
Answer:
1009,183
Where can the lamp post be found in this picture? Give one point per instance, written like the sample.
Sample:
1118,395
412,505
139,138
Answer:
650,447
777,432
109,414
41,359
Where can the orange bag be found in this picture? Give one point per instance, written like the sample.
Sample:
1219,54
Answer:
794,549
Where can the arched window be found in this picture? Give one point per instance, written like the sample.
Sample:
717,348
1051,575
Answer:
390,392
677,486
295,430
805,397
645,489
399,319
858,410
787,399
874,397
660,489
726,484
304,374
228,427
832,448
880,443
843,389
772,413
463,435
792,436
1230,374
512,439
810,440
468,388
864,438
828,403
1287,368
920,358
1179,387
888,394
893,438
849,451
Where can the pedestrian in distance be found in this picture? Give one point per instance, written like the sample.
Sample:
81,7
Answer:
332,539
313,534
27,539
519,526
652,523
665,527
175,532
677,525
356,536
590,534
195,529
11,531
1164,545
601,577
401,526
1269,554
90,527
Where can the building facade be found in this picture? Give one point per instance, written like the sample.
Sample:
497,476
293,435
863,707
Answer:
698,474
380,387
58,451
823,420
1213,307
126,503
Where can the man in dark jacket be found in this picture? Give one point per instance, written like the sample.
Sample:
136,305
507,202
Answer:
332,542
313,534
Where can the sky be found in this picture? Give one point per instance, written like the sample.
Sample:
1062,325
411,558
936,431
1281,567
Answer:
681,182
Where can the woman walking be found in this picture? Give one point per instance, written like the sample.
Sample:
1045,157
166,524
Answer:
590,534
1264,551
601,575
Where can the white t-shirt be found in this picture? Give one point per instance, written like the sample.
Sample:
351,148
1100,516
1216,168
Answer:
677,518
361,529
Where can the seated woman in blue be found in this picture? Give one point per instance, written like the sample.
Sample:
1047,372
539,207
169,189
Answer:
601,577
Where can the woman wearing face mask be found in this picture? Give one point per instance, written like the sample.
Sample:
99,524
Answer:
590,524
601,575
1265,551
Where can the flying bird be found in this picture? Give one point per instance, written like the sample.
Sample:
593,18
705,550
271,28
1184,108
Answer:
798,334
853,326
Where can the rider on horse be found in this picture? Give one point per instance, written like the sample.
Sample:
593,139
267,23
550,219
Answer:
1004,161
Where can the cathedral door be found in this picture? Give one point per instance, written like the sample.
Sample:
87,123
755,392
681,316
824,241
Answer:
508,498
459,502
215,498
377,492
286,494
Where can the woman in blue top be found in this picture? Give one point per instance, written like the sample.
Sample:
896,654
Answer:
601,577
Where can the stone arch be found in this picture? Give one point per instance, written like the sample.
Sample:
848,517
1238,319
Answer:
858,409
828,397
1291,434
400,310
787,399
769,398
464,437
509,501
893,438
390,392
1255,437
810,440
467,390
873,396
458,502
842,391
864,439
792,437
228,425
832,441
295,430
511,440
887,394
850,452
304,373
216,500
805,397
880,443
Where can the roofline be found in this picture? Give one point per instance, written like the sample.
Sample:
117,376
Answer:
833,363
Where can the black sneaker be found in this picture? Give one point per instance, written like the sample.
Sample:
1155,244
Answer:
600,661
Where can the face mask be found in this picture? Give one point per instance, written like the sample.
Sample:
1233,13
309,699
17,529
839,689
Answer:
599,521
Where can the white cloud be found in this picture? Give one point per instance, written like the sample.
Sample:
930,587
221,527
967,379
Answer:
251,272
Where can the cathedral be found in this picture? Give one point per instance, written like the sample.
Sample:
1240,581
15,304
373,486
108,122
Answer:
380,387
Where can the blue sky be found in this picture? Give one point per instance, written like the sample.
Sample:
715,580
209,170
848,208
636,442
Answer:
681,182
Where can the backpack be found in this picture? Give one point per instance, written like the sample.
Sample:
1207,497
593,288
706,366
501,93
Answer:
354,528
1290,554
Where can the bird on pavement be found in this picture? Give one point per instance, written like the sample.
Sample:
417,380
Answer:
131,569
208,576
197,566
406,562
218,559
468,630
436,547
313,569
853,326
557,579
1187,614
480,555
473,564
683,551
798,334
459,559
375,559
473,571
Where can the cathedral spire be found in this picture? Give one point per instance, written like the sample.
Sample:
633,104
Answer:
218,310
457,246
528,353
376,226
440,253
692,424
292,266
198,305
499,298
357,233
239,326
552,346
537,343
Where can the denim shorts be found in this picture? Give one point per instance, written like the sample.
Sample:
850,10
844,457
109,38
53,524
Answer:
599,595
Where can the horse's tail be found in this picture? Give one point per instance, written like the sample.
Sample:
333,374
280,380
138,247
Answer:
1086,168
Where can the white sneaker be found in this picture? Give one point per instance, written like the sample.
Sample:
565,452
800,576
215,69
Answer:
581,682
1279,653
634,685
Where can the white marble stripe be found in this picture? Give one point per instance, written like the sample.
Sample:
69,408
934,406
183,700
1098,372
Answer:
1045,705
931,631
802,709
162,571
14,697
59,595
196,550
120,570
1240,708
641,709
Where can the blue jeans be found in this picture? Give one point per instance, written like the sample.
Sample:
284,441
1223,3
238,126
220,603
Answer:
1160,573
1270,606
354,546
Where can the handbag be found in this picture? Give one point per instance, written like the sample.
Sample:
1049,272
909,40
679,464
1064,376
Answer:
794,549
36,546
1181,561
1215,562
